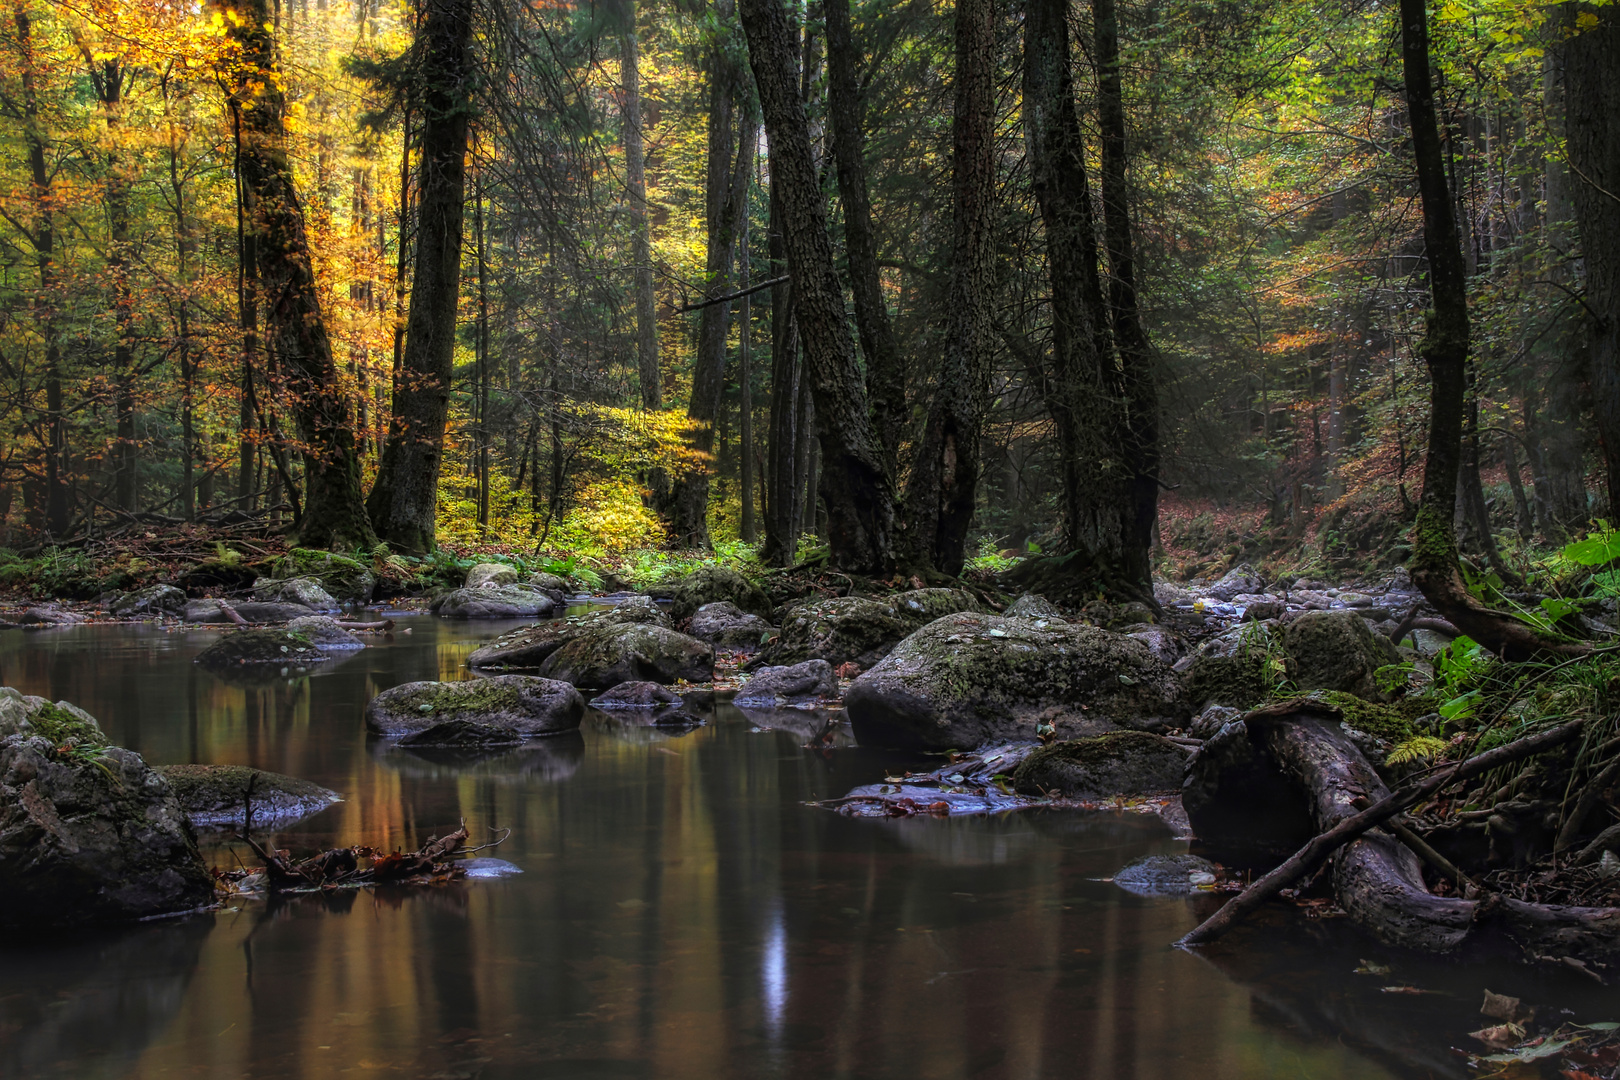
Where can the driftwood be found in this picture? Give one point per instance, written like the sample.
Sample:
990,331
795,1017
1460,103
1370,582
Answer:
1378,879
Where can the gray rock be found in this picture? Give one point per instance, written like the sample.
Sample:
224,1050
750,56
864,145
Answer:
1430,642
807,683
1336,650
520,705
526,648
548,583
491,574
218,794
91,836
1166,875
1207,724
967,679
722,623
709,584
611,653
1169,594
48,615
1258,607
325,632
340,575
152,600
261,648
854,629
1162,643
1242,578
461,734
494,602
1103,766
919,607
252,611
1237,667
302,590
1032,606
637,695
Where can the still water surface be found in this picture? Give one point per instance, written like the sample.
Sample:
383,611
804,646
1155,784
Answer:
681,915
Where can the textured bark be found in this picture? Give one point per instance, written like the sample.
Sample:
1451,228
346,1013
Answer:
334,516
404,500
860,499
945,472
781,477
1592,66
747,527
635,171
885,364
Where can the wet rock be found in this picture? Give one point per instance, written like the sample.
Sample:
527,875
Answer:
611,653
521,705
325,632
152,600
1429,642
462,734
1258,607
261,647
1242,578
218,794
1162,643
493,602
967,679
1103,766
1169,594
89,836
1166,875
797,684
839,630
303,590
1237,667
526,648
253,611
709,584
1032,606
919,607
1336,650
491,574
548,583
343,577
1209,722
48,615
723,623
637,695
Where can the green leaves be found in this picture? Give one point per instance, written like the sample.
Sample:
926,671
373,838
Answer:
1599,549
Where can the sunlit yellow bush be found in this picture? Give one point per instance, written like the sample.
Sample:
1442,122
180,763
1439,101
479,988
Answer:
608,518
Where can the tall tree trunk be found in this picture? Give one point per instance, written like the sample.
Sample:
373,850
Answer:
404,500
747,529
860,497
885,364
333,514
635,170
1592,65
1140,447
483,356
944,477
1521,505
184,244
781,502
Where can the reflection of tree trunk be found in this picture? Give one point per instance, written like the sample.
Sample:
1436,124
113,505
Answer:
1592,59
940,494
404,501
885,366
635,169
859,498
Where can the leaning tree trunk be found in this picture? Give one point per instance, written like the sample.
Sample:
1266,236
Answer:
404,501
858,493
1592,121
1444,350
945,472
334,515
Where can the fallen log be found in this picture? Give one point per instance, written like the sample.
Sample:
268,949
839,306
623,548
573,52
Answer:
1379,877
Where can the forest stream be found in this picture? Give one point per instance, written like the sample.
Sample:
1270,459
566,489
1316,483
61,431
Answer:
681,912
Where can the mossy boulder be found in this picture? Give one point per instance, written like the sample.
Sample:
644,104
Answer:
1103,766
494,602
219,794
1337,650
1237,667
1033,606
611,653
723,623
637,695
520,705
797,685
325,632
919,607
340,575
491,573
709,584
1242,578
1166,875
253,611
88,832
300,590
526,648
551,583
839,630
152,600
968,679
261,648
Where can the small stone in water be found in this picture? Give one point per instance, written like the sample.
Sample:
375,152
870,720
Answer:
1200,879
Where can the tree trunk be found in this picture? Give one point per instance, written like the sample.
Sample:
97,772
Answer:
860,498
184,243
944,477
781,513
635,170
885,364
404,501
333,514
483,357
1521,505
747,529
1592,66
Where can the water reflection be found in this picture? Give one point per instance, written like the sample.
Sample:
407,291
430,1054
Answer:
682,913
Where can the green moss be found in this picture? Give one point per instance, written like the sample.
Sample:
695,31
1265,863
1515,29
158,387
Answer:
1393,722
1092,750
342,576
62,727
474,695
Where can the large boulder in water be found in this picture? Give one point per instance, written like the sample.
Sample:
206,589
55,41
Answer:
219,794
494,602
795,685
88,832
527,647
491,573
858,630
325,632
301,590
152,600
513,706
344,577
710,584
1103,766
1337,650
261,647
611,653
969,679
724,623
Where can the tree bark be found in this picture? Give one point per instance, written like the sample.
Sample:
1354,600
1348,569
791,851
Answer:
404,501
885,364
635,171
859,496
747,528
781,503
944,477
333,516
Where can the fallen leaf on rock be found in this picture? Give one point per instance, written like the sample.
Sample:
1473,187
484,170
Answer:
1499,1037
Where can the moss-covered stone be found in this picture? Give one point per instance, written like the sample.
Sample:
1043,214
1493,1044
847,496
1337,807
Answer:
494,602
708,584
723,623
491,574
526,648
61,723
1238,667
344,577
968,679
1032,606
261,647
919,607
522,704
797,685
839,630
218,794
1103,766
152,600
306,591
1390,722
325,632
1336,650
611,653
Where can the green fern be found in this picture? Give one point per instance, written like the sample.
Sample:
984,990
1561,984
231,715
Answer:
1417,748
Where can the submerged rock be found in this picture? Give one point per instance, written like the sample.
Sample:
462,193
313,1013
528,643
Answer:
218,794
1103,766
88,832
325,632
1337,650
637,695
494,602
341,576
710,584
301,590
611,653
485,574
723,623
1166,875
152,600
521,705
254,647
525,648
803,684
968,679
